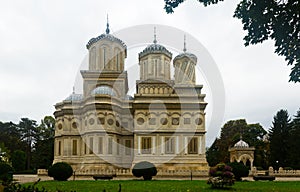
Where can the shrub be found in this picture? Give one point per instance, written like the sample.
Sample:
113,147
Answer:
60,171
18,159
239,170
220,176
144,169
6,172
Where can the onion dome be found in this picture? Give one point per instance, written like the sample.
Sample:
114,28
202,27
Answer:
186,54
106,36
155,48
103,90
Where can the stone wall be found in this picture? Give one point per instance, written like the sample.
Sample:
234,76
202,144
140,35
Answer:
126,173
277,173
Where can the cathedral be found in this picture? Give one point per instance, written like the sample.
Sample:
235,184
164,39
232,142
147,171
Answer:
163,122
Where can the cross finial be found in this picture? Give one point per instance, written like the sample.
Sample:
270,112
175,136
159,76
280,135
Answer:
107,26
154,41
184,44
241,137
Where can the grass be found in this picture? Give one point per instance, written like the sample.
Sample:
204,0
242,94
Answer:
166,186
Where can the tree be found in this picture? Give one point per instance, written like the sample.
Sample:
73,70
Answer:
43,152
18,160
279,139
28,130
10,137
213,153
253,134
294,142
278,20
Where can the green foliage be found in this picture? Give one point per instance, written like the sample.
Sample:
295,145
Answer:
239,170
43,153
276,20
264,19
61,171
171,4
6,172
253,134
279,139
28,131
18,159
16,187
37,141
294,142
213,153
10,137
144,169
4,153
220,176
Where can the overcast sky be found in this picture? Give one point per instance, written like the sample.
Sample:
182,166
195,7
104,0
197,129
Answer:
42,45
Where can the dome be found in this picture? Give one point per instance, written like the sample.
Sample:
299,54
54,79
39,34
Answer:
155,48
188,55
105,36
241,144
103,90
74,97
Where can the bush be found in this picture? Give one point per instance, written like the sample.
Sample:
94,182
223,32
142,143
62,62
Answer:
18,159
6,172
239,170
60,171
220,176
144,169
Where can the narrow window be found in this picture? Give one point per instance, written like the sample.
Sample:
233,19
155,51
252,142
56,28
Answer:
118,146
146,145
100,145
169,145
110,143
74,147
127,147
117,60
193,146
104,57
91,145
59,148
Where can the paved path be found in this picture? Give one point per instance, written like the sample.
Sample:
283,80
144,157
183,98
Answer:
33,178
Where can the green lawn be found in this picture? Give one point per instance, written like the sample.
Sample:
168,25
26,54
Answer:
166,186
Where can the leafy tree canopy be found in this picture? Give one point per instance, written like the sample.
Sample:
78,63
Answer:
278,20
230,134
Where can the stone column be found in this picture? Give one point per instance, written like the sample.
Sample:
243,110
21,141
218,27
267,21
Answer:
139,145
162,144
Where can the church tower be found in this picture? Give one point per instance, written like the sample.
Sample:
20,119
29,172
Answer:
107,55
184,65
154,62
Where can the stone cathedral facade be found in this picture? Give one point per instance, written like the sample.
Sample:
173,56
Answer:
163,122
